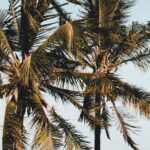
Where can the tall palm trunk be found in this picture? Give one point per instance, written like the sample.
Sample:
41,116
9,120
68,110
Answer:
13,128
20,111
19,141
97,94
97,128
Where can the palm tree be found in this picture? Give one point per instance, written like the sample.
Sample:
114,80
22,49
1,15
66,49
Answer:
110,43
35,58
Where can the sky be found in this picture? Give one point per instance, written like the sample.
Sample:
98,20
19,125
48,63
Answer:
140,12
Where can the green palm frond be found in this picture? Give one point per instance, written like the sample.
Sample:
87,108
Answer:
63,60
137,97
48,67
32,22
3,18
45,130
63,33
5,44
13,9
4,57
106,119
35,24
26,73
73,139
141,60
74,98
109,14
66,96
43,141
125,128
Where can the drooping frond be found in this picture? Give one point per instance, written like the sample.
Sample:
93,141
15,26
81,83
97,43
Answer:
74,98
125,128
5,44
13,8
137,97
45,130
43,141
106,118
73,139
141,60
66,96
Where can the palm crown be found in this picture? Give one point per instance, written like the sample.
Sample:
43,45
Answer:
109,44
35,58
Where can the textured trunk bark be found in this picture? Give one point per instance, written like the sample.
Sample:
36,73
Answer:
13,127
98,96
20,116
19,141
97,138
97,128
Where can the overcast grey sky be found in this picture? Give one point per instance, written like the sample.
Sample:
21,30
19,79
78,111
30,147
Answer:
140,12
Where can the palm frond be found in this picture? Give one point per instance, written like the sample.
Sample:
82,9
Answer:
3,18
65,95
41,138
45,130
137,97
43,6
141,60
125,128
5,44
32,22
26,73
63,33
13,9
73,138
106,118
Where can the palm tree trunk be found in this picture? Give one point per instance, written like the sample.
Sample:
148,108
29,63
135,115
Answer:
13,128
20,116
98,97
97,128
19,141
